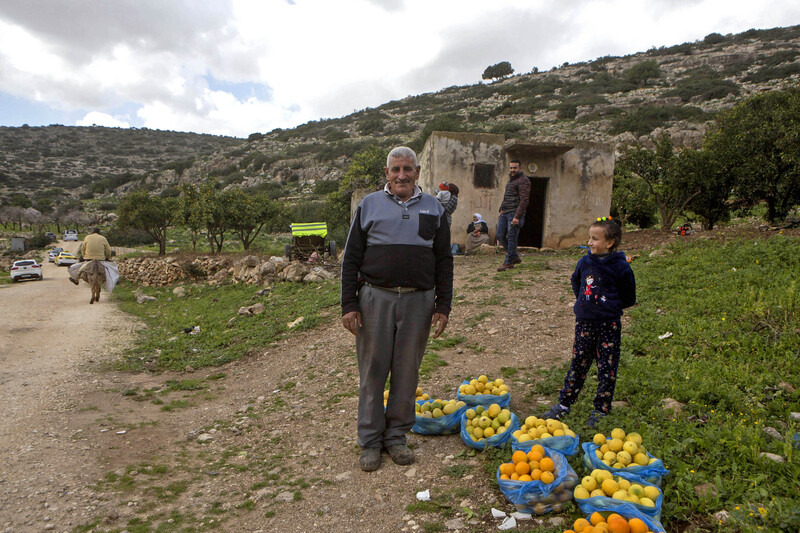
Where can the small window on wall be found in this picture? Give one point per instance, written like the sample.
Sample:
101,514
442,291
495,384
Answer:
483,176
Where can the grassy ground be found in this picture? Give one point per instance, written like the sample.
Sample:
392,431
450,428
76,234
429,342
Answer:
165,345
733,314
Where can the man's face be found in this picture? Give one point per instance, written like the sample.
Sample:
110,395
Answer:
513,169
401,175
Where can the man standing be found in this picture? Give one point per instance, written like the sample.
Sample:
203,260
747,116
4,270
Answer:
512,213
397,283
94,246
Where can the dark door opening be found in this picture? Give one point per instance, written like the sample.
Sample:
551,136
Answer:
531,233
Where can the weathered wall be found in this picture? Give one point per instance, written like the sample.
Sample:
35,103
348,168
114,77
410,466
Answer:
578,192
450,156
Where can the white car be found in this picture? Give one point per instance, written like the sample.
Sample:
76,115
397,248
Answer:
26,269
70,235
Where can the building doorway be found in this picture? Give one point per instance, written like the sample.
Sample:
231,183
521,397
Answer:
531,233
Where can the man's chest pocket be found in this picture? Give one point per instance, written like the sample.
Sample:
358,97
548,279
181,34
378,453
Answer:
427,226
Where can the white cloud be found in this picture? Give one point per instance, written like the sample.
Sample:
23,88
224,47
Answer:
186,65
96,118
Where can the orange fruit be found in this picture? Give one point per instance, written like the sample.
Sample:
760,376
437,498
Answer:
547,465
522,468
507,468
536,474
547,477
504,476
618,524
612,515
525,477
534,464
538,448
580,524
596,518
637,525
514,476
534,455
602,527
519,456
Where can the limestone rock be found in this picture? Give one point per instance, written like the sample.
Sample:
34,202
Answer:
455,523
706,490
244,311
660,252
179,291
675,405
293,272
773,457
257,308
772,432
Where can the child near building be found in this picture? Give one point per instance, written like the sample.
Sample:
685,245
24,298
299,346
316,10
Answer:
604,285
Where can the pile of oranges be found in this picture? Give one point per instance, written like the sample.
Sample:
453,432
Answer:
615,523
531,466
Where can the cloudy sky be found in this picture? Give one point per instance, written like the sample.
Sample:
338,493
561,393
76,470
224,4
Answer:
234,67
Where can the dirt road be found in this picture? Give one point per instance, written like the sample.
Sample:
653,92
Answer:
48,335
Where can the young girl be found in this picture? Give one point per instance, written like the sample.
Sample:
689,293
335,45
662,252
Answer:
604,285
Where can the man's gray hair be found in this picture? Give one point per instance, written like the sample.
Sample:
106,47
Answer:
401,152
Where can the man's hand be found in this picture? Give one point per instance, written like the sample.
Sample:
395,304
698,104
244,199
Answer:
440,321
515,221
352,321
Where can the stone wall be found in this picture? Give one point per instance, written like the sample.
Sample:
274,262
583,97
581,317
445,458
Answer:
159,271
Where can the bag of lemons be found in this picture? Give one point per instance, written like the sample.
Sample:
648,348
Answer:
438,417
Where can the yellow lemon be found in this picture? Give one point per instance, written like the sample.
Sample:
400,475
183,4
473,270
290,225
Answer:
647,502
634,437
618,433
641,459
615,445
609,486
599,439
580,493
631,447
651,492
589,483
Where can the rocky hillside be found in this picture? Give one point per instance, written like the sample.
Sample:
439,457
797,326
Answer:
676,90
80,160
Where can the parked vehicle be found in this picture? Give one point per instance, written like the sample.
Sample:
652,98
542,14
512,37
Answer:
50,235
65,258
70,235
26,269
51,255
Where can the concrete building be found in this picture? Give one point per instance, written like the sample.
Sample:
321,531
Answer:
570,183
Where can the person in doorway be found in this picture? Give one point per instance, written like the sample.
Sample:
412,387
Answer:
512,213
477,234
604,285
94,246
397,284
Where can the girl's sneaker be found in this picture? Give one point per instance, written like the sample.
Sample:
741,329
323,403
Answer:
556,412
594,418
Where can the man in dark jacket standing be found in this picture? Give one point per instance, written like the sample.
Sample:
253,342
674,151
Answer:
512,213
397,283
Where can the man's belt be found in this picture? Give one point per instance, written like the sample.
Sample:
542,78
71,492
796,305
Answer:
396,290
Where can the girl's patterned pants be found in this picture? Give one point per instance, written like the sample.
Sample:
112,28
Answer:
594,341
